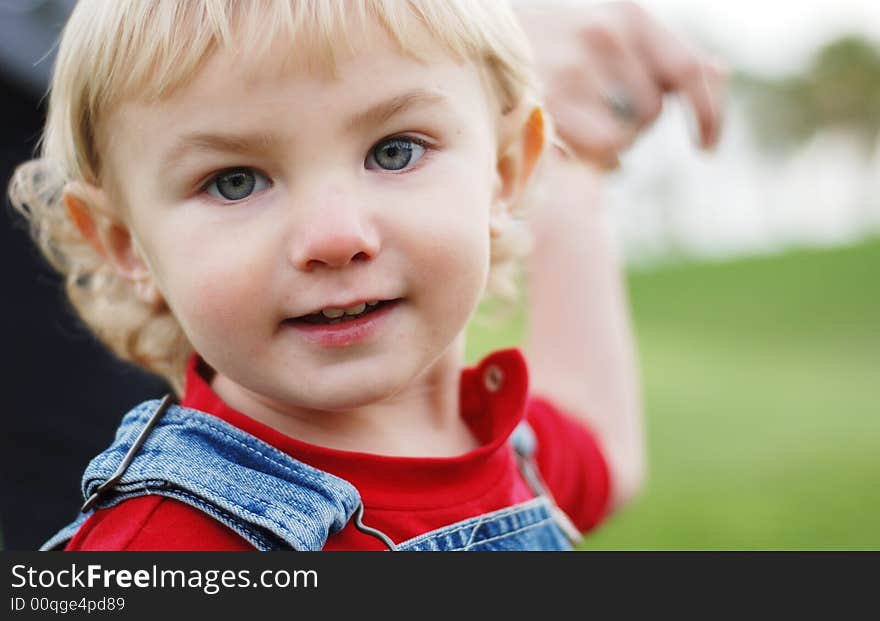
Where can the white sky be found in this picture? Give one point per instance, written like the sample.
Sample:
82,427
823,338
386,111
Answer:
766,36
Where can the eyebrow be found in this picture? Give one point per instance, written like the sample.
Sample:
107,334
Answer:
253,142
207,142
384,110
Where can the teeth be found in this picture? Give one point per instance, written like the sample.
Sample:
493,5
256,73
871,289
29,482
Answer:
372,303
356,310
335,313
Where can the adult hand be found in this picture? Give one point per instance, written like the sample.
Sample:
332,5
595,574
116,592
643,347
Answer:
605,70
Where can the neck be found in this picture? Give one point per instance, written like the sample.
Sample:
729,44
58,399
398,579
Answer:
421,420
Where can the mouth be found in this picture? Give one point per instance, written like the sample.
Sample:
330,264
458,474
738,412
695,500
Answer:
357,324
332,316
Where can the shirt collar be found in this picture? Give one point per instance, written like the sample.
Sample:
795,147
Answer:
492,396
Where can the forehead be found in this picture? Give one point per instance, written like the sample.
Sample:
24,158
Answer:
366,50
231,89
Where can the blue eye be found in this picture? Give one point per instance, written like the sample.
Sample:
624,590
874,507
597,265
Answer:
236,184
395,153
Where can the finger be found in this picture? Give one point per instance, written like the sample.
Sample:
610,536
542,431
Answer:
581,117
679,68
619,71
626,76
590,133
703,92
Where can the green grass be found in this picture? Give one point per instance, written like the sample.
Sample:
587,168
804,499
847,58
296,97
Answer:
761,389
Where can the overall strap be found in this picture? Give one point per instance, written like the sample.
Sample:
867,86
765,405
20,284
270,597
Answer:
524,445
263,494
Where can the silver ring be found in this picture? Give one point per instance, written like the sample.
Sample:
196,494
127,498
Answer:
621,105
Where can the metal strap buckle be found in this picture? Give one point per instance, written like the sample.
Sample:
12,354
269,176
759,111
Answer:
530,473
372,532
129,456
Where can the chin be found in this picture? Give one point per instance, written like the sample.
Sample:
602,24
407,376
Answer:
335,395
356,383
351,399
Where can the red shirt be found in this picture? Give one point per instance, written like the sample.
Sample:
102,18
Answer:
402,496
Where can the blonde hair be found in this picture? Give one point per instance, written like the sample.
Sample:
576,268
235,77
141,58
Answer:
111,50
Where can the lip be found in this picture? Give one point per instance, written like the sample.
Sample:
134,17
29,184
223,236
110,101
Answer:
346,333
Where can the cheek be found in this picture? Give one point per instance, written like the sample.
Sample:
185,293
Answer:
211,293
458,246
222,297
449,234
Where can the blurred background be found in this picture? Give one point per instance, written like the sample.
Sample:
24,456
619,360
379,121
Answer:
752,279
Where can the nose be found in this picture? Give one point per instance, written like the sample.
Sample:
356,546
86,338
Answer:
334,235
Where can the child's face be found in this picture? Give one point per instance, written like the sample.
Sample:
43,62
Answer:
319,211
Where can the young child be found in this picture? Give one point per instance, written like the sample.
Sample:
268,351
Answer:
290,211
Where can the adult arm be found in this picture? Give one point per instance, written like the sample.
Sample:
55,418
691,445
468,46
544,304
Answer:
580,343
580,340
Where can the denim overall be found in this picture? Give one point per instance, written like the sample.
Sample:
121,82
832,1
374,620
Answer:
276,502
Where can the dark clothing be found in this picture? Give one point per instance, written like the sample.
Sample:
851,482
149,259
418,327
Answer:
51,364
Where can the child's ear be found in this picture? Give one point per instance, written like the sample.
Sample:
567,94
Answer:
89,210
522,144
